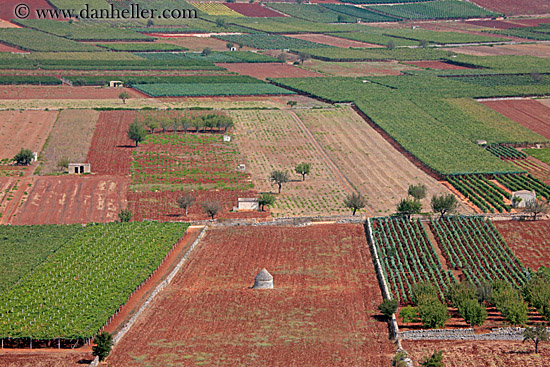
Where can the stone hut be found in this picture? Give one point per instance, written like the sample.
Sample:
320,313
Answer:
525,196
263,280
80,168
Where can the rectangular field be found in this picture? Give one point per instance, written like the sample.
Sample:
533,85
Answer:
268,70
18,92
528,112
70,138
24,129
210,89
322,310
276,140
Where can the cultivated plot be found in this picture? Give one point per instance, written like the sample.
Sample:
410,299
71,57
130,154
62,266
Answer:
62,92
277,140
321,312
372,165
24,129
527,112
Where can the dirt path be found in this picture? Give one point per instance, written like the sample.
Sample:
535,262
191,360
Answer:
431,237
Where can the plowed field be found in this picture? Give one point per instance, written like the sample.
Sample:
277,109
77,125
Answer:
7,10
374,167
438,65
253,10
63,358
480,353
24,129
516,7
529,240
528,112
111,149
332,41
6,48
62,92
322,311
268,70
70,199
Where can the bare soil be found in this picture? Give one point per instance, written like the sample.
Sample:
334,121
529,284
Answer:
357,69
45,358
322,311
63,92
528,112
538,50
516,7
333,41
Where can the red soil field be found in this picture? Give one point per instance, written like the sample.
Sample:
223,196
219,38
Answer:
45,358
438,65
111,150
6,48
253,10
8,7
499,24
24,129
268,70
331,40
535,167
72,199
516,7
529,240
62,92
527,112
162,206
532,22
458,353
320,313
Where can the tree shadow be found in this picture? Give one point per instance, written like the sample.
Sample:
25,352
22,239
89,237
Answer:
125,146
85,361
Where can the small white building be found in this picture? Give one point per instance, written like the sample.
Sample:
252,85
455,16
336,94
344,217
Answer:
481,142
525,196
241,167
227,138
79,168
116,84
263,280
248,204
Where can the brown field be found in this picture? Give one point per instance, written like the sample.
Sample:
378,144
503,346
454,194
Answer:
532,22
332,41
62,92
498,24
538,50
6,24
529,240
111,150
373,166
199,43
43,358
528,112
355,69
322,311
70,199
277,140
438,65
6,48
535,167
268,70
516,7
71,137
24,129
458,353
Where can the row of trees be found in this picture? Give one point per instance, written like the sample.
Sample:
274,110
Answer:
209,123
280,178
442,204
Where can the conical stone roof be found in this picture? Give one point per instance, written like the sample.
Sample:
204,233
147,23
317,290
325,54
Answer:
263,280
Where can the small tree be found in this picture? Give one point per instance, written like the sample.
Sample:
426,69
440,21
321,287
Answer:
444,204
433,314
152,124
537,77
537,335
515,201
229,45
63,163
150,23
388,307
136,132
424,293
536,207
281,57
461,292
408,207
265,199
303,57
473,312
124,96
211,208
417,191
279,178
185,201
292,103
303,169
435,360
104,344
206,51
24,157
408,314
422,43
390,45
355,202
220,22
165,123
125,215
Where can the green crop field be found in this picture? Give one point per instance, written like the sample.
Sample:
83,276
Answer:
312,12
541,154
442,9
366,15
83,31
269,41
29,79
291,25
374,54
439,37
133,80
32,40
142,47
210,89
376,38
72,293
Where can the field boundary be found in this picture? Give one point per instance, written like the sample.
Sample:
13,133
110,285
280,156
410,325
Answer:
152,296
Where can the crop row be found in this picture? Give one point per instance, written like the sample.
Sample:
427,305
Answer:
312,12
227,56
29,79
483,193
473,245
269,41
505,152
72,294
364,14
442,9
139,79
217,9
142,47
210,89
524,182
408,257
32,40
